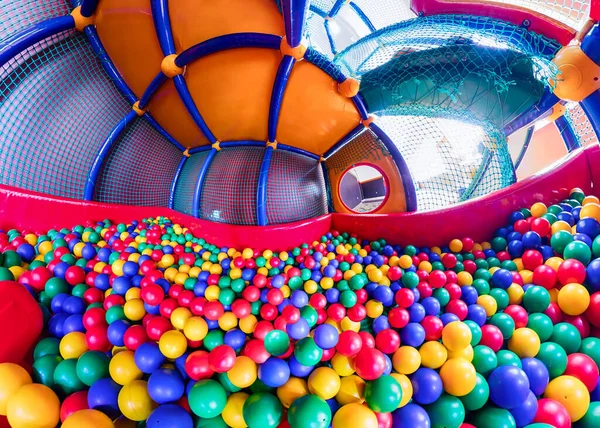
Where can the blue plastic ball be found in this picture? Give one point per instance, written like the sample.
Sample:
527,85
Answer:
509,386
427,386
169,416
502,278
235,338
148,357
299,329
165,386
326,336
103,396
412,335
116,332
411,415
274,372
537,373
525,412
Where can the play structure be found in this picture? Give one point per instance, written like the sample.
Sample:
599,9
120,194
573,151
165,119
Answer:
295,213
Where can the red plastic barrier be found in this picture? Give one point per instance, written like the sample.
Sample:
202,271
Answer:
539,23
595,10
477,218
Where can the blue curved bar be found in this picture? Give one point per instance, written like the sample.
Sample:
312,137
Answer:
92,178
200,182
225,42
294,18
538,111
88,7
362,16
163,132
335,9
32,35
317,58
152,88
330,38
190,105
292,149
330,208
345,140
281,79
590,44
359,103
199,149
175,179
567,133
410,193
245,143
162,25
591,107
525,147
261,191
314,9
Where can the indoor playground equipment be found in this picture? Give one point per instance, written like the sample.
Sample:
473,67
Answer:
295,213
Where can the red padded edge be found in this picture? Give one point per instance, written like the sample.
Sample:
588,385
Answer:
477,218
595,10
540,24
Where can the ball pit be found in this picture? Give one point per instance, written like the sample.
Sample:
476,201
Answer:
145,322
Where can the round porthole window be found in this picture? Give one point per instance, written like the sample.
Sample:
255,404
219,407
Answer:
363,188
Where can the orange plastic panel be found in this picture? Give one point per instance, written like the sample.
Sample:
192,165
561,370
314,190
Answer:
194,21
127,32
314,116
232,90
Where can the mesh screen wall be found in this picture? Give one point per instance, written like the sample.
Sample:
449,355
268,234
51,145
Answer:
18,15
186,183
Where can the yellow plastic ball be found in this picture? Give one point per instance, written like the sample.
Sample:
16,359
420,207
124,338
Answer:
167,260
179,316
354,415
343,366
134,401
559,225
180,278
538,209
248,323
464,278
571,393
405,261
247,253
573,299
293,389
374,309
456,336
324,382
134,309
228,321
433,354
243,373
12,377
311,286
212,293
591,210
33,406
352,390
73,345
195,328
524,342
456,246
87,418
172,344
465,354
348,324
406,360
122,368
117,267
133,293
45,247
515,294
425,266
406,386
458,377
232,413
488,303
590,200
375,275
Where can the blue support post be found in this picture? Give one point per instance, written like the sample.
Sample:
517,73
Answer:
328,189
359,103
345,140
293,149
538,111
591,107
525,147
154,86
362,16
590,44
245,143
199,149
200,182
175,179
335,9
294,18
88,7
92,178
162,25
261,191
190,105
32,35
410,193
225,42
330,38
567,133
281,79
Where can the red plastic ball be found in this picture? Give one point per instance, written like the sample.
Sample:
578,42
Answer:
398,317
96,339
167,307
275,296
221,358
213,310
318,301
545,276
384,420
433,327
251,293
394,273
158,326
255,350
242,308
268,312
357,313
261,329
541,226
361,295
369,363
367,339
197,366
75,275
491,336
437,279
458,308
405,297
580,323
113,300
336,312
197,305
554,313
592,314
349,343
583,368
135,336
449,260
532,259
39,276
387,341
452,277
571,270
185,298
453,290
518,314
424,289
553,413
94,317
152,294
522,226
93,295
74,402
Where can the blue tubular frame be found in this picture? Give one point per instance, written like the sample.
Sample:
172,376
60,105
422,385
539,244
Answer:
335,9
151,89
92,178
175,179
292,149
327,187
567,133
281,79
362,16
590,45
261,190
330,38
199,149
88,7
345,140
245,143
32,35
162,26
200,183
524,148
294,18
228,41
538,111
190,105
359,103
409,186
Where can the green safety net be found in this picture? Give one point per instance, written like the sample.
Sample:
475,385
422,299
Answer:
18,15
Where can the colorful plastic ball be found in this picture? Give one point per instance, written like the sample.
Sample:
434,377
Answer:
324,382
537,373
134,401
553,413
369,363
406,360
33,405
207,398
354,414
169,416
493,417
491,336
383,394
478,396
412,335
536,299
456,336
509,386
433,354
123,369
221,358
484,360
307,352
573,299
262,410
165,386
276,342
73,345
148,357
352,390
326,336
458,376
309,411
571,393
73,403
427,386
554,357
591,418
103,395
172,344
349,343
88,418
526,411
579,251
524,342
274,372
590,346
447,411
294,388
65,377
411,415
243,373
13,377
541,324
583,368
567,336
91,366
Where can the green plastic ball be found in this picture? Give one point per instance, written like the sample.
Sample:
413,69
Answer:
493,417
442,295
554,358
477,398
476,333
567,336
262,410
46,346
43,369
596,246
484,360
560,240
115,313
213,339
383,394
482,286
348,298
92,366
56,286
310,315
410,280
536,299
578,250
65,377
591,419
590,346
277,342
309,411
216,422
541,324
11,258
207,398
508,358
307,352
446,412
6,275
504,322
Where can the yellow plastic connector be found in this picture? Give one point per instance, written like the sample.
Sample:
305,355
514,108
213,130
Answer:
272,144
349,87
137,109
81,21
186,153
169,68
368,121
297,53
217,146
579,77
557,111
